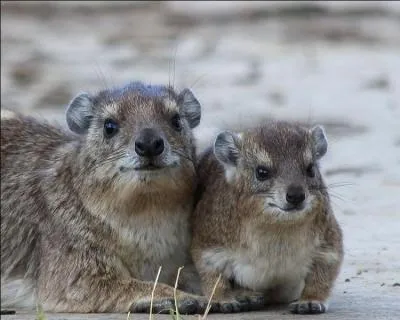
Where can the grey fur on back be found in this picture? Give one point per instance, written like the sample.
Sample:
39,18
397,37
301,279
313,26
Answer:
20,186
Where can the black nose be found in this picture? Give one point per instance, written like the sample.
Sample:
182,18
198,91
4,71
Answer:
149,143
295,195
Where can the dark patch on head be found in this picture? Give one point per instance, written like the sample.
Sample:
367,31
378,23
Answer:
135,88
282,140
145,90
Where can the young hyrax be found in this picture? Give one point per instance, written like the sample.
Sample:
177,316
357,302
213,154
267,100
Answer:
264,219
89,216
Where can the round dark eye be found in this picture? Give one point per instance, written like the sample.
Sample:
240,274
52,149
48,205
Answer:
110,128
176,122
262,173
311,171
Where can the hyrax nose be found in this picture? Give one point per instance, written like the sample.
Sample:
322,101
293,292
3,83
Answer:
149,143
295,195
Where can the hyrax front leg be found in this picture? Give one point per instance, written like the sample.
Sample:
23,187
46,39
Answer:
318,285
73,284
164,302
101,295
229,299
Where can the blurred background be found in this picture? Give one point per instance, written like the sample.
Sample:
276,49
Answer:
336,63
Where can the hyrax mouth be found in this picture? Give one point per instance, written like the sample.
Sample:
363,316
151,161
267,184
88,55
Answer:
148,166
155,167
288,208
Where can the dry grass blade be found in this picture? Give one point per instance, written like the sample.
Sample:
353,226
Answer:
209,301
175,287
152,293
40,313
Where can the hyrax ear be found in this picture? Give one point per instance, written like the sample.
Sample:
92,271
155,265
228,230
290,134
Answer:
80,113
319,141
226,148
190,107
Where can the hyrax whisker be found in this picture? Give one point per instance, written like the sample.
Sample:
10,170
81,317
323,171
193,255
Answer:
336,196
197,80
174,65
340,185
101,76
328,190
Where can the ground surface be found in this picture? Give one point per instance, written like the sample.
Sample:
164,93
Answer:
338,70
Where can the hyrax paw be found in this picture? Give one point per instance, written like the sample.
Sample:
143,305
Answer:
250,301
307,307
159,305
186,305
241,302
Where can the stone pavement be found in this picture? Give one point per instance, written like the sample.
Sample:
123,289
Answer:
356,304
342,71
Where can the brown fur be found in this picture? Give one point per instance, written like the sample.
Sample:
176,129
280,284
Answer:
255,247
83,237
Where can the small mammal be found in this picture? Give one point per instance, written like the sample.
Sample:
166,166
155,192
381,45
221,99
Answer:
89,215
264,219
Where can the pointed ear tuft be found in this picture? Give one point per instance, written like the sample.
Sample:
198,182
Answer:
320,143
190,107
80,113
226,148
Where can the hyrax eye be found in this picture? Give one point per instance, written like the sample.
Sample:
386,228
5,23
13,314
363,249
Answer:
176,122
262,173
110,128
311,170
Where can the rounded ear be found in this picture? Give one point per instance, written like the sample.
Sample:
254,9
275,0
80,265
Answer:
226,148
190,107
319,141
80,113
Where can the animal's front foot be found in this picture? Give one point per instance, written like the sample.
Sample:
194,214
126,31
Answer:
308,307
185,305
240,302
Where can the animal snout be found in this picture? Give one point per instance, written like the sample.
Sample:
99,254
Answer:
295,195
149,143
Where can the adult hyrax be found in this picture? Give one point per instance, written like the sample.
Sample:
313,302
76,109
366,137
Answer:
264,220
89,216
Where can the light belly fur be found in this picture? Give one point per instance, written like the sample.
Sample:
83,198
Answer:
151,241
266,264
